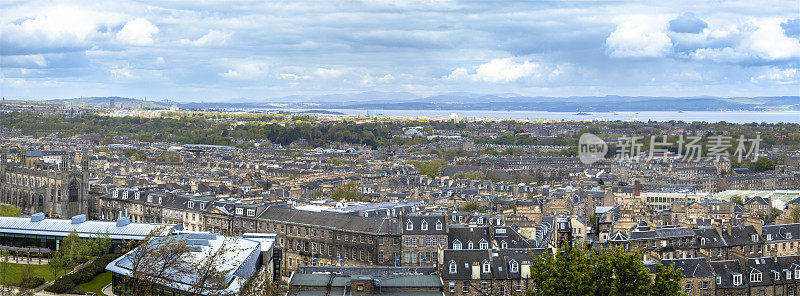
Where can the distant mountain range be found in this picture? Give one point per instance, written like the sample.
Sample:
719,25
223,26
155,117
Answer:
470,101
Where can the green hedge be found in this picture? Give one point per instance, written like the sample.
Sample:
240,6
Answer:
68,282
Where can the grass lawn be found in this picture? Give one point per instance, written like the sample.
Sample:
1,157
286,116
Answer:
96,284
15,271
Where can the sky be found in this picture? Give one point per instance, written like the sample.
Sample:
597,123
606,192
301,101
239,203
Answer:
207,50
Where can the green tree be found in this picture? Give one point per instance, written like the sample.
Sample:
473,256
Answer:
737,200
584,271
10,211
472,207
429,168
795,212
348,191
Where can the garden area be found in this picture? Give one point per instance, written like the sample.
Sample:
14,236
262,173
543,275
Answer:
77,267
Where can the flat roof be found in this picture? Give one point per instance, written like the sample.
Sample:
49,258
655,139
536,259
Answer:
63,227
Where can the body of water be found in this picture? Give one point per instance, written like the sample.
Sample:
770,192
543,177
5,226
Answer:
689,116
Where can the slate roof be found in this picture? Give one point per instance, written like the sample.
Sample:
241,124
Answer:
691,267
329,220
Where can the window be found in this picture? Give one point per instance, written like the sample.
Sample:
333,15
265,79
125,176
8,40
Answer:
452,286
409,225
469,245
484,286
438,225
239,211
704,285
251,212
486,266
424,225
688,285
457,245
453,267
503,245
789,235
484,244
514,266
719,280
518,285
501,290
754,237
776,275
788,274
755,276
465,287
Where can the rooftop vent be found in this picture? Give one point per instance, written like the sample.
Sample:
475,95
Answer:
122,221
37,217
78,219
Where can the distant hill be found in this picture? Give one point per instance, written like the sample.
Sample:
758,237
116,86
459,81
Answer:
127,103
570,104
466,101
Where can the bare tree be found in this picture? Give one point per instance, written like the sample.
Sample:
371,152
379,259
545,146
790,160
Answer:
260,284
208,275
157,260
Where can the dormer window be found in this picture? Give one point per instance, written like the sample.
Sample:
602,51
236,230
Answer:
797,272
737,279
503,245
424,225
438,224
480,220
776,275
754,237
702,240
788,274
239,211
486,266
719,280
484,244
453,267
755,276
191,204
251,212
469,245
409,225
457,244
789,235
116,193
514,266
769,236
202,207
149,198
125,195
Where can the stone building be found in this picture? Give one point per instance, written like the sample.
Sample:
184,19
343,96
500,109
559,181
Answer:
51,182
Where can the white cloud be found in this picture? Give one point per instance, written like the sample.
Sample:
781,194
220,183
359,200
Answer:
326,73
246,70
754,40
639,37
777,75
137,32
769,42
24,61
498,70
53,27
213,38
121,73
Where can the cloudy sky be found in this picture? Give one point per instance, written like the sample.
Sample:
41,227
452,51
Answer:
221,50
